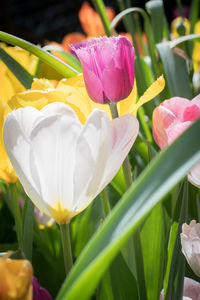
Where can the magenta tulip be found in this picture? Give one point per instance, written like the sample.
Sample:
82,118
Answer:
108,68
170,119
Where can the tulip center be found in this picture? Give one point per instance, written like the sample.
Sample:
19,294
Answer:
60,215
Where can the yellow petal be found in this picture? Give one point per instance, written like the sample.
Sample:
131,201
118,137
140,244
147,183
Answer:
127,105
155,88
7,172
196,49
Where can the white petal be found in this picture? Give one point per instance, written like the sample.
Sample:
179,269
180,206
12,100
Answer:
194,175
98,135
125,131
18,149
59,108
53,142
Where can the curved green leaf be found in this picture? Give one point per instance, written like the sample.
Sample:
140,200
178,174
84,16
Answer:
57,64
17,69
176,71
163,173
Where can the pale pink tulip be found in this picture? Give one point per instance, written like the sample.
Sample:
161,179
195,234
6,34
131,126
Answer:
191,290
108,68
170,119
62,164
190,241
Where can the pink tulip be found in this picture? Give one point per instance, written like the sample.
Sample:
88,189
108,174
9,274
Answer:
190,241
191,290
170,119
108,68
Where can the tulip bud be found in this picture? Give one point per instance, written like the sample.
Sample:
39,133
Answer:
108,68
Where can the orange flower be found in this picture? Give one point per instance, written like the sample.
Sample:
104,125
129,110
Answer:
91,24
91,21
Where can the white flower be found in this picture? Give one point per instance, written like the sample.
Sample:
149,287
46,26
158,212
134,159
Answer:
62,164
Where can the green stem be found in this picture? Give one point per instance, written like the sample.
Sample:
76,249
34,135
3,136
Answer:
136,237
16,213
105,202
66,243
145,125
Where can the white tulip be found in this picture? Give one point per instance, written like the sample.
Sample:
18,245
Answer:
62,164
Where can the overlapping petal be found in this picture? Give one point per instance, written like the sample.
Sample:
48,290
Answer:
62,163
170,119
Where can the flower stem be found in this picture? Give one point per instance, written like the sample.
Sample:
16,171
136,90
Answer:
136,237
16,213
66,243
105,202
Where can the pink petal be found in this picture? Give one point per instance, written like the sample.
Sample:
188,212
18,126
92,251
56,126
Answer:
194,175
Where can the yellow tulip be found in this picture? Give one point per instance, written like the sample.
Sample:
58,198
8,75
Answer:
72,91
174,26
9,83
7,172
15,279
196,50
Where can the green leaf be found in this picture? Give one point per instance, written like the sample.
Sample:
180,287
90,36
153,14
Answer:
194,14
185,38
174,279
175,70
158,19
68,57
161,175
153,244
57,64
17,69
100,8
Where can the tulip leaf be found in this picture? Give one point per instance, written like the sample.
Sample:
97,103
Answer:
100,8
175,277
161,175
153,237
185,38
194,14
158,19
176,71
66,56
61,67
17,69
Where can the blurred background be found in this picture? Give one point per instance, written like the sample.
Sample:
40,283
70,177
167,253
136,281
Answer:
40,20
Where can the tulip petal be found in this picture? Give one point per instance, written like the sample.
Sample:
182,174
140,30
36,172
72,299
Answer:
93,85
162,118
194,175
56,165
125,130
97,132
155,88
18,149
